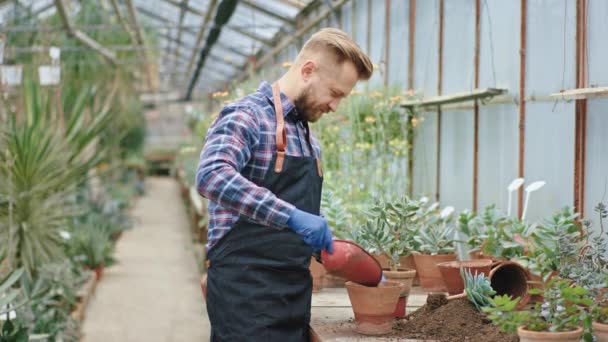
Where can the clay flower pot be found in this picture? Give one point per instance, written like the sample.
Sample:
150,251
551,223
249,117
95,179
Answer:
317,271
600,331
352,262
548,336
428,271
512,279
374,306
405,277
408,262
450,272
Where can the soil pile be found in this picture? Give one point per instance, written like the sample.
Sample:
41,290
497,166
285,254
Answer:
455,321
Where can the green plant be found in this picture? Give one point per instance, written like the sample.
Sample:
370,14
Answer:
333,209
41,165
508,242
387,229
52,298
563,309
554,244
478,288
436,235
90,246
13,333
8,292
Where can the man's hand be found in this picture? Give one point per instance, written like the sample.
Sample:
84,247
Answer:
313,229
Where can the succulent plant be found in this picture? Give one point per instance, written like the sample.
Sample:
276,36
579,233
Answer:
478,288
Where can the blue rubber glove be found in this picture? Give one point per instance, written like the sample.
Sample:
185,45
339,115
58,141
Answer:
313,229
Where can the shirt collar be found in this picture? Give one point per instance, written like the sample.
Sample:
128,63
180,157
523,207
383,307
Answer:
289,109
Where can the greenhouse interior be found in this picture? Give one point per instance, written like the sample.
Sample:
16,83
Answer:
303,170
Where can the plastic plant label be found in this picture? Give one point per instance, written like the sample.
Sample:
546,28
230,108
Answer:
49,74
11,74
55,53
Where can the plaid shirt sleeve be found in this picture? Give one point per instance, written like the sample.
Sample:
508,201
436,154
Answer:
229,145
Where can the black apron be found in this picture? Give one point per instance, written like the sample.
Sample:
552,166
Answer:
259,286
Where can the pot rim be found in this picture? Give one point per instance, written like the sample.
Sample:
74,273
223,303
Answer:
522,330
466,263
385,283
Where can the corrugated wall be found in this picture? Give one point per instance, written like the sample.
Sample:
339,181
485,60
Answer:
444,148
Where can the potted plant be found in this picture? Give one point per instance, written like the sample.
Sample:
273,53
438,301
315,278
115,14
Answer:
479,228
435,237
387,233
374,306
558,318
91,246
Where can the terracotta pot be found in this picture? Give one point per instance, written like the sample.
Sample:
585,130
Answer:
450,272
400,311
352,262
333,281
512,279
98,272
374,307
547,336
428,271
317,271
600,331
403,276
476,255
408,262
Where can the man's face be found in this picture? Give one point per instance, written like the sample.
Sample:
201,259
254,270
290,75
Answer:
324,87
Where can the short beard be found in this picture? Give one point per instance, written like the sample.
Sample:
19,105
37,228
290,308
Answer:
304,107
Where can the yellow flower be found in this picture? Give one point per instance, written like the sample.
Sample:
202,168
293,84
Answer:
220,94
370,119
396,99
376,94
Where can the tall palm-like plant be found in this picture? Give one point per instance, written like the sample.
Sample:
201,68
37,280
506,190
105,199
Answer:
41,164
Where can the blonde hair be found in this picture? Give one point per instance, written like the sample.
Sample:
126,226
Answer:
342,46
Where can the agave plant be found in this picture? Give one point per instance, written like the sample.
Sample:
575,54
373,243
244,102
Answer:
41,164
477,288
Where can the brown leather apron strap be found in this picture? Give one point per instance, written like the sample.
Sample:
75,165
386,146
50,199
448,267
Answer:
281,136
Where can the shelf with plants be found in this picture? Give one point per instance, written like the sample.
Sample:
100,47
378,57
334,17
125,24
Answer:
65,184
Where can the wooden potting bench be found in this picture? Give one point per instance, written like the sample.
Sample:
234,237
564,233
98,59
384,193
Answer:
332,318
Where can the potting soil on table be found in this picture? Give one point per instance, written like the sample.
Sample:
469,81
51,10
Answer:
454,321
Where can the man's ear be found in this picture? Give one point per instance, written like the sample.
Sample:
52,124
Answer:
307,69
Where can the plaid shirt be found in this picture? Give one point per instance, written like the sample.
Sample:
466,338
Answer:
238,151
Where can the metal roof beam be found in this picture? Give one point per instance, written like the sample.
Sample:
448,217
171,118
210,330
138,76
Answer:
232,49
225,61
269,13
185,7
108,55
201,33
250,35
182,14
160,18
141,40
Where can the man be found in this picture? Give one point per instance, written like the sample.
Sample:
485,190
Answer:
261,170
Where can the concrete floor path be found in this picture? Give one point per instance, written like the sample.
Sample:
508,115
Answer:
152,293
